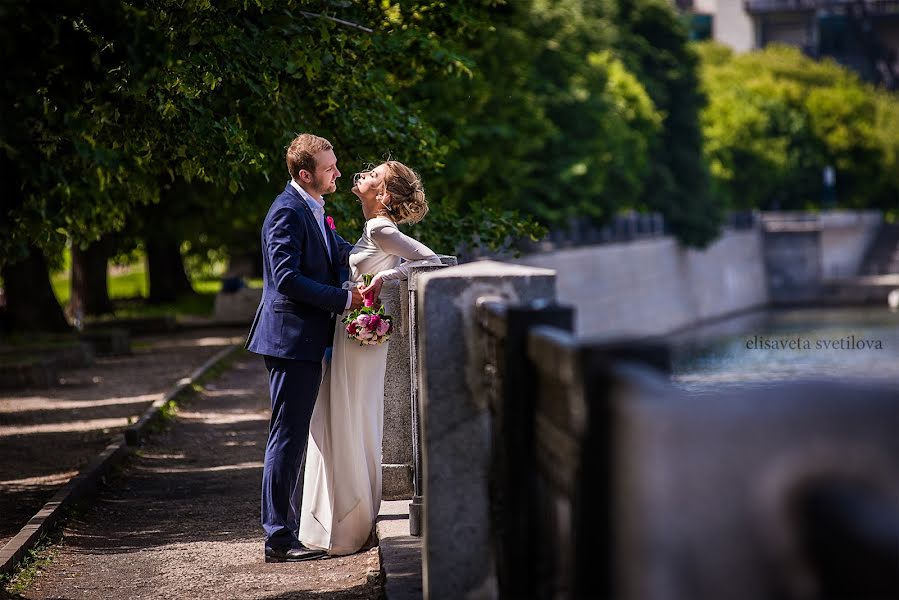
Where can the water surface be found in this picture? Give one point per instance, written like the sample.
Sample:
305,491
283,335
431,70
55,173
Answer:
775,345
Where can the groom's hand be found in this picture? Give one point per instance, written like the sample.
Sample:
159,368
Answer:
356,301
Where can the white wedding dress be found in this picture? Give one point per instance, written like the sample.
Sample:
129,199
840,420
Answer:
342,481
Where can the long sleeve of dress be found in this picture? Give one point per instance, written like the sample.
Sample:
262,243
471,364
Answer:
392,241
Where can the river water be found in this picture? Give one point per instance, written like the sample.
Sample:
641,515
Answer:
775,345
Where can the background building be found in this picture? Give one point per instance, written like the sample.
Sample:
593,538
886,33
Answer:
861,34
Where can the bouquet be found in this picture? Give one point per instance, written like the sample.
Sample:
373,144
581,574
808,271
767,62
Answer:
367,325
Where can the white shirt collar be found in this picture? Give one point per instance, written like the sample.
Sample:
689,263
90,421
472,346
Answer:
312,202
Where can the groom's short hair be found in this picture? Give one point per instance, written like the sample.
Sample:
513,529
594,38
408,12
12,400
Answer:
301,153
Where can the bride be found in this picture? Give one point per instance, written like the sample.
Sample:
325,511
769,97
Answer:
342,481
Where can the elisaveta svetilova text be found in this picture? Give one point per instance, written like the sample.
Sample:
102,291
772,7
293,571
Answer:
849,342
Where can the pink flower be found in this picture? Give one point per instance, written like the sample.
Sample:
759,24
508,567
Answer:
373,322
383,327
330,221
351,328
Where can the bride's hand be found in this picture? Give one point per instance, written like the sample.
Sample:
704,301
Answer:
374,287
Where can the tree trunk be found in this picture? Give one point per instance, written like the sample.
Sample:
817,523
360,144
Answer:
168,279
31,304
90,288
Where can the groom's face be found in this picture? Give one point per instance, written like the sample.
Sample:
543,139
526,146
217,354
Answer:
324,180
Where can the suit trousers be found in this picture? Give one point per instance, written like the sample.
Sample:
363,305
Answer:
293,387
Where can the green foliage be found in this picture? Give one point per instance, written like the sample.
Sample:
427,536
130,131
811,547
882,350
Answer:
170,118
575,109
654,44
182,106
776,118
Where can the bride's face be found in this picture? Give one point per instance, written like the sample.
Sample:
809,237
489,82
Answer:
367,185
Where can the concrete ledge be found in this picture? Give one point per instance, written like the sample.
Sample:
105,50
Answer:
81,485
136,325
39,373
108,341
137,431
400,553
238,306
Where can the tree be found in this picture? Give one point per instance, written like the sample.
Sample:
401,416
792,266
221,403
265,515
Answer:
654,44
574,109
52,59
595,163
89,282
110,100
776,118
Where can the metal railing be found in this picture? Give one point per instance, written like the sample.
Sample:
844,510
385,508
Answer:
511,383
608,482
872,7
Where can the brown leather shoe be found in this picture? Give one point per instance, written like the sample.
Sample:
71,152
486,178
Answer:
296,553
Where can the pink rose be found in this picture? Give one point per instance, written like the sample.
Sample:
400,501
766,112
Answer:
330,221
383,327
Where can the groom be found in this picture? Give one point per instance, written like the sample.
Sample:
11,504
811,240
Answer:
302,257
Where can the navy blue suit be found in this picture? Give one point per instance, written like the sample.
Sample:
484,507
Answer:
293,325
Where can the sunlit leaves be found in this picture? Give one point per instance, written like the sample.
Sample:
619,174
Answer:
776,118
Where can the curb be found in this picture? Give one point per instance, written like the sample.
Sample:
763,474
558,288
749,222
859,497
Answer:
136,432
81,485
399,552
88,479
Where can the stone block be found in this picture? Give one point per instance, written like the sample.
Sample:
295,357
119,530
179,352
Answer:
457,554
397,443
397,460
238,306
396,481
109,341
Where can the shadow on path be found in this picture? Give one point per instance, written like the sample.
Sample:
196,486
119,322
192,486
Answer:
183,519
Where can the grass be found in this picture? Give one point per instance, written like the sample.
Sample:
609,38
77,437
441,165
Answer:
169,410
32,565
128,290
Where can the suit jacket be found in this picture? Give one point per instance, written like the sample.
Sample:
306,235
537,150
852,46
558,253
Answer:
300,293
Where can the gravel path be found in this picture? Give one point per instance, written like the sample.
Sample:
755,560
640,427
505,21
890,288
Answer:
47,435
182,520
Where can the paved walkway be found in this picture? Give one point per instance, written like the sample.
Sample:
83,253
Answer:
182,519
48,435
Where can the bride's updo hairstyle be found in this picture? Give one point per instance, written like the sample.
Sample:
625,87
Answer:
407,196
